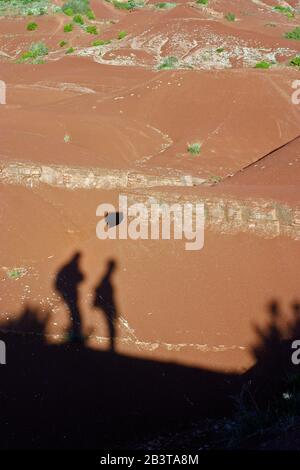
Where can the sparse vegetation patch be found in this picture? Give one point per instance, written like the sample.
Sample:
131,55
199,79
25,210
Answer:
32,26
91,29
16,273
165,5
295,61
194,148
130,5
287,11
100,42
122,35
26,7
168,63
230,17
78,19
68,28
35,54
295,34
76,6
263,65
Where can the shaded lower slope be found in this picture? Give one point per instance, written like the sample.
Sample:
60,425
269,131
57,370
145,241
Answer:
72,396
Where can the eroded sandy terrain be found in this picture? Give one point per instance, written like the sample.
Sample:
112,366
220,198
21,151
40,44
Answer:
81,126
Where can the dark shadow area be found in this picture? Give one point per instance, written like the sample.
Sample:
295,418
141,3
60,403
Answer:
71,396
273,353
105,301
66,284
113,219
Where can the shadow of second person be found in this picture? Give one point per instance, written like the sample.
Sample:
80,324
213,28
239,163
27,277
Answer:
104,299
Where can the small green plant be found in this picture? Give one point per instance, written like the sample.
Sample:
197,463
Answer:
295,61
220,50
202,2
122,34
165,5
287,11
16,273
230,17
100,42
68,28
31,26
35,54
194,148
67,138
68,11
263,65
168,63
70,50
295,34
78,19
63,43
90,15
91,29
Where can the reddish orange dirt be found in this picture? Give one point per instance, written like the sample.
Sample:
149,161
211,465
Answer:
106,120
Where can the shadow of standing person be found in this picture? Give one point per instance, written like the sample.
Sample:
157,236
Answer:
67,281
105,301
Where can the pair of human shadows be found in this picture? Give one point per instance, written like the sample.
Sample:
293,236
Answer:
67,282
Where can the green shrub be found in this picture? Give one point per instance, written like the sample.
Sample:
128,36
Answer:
263,65
295,61
70,50
230,17
168,63
78,19
32,26
122,34
202,2
68,28
165,5
295,34
285,10
220,49
68,11
63,43
100,42
91,29
35,53
90,15
194,148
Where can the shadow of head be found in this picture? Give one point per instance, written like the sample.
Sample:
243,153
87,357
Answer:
111,266
113,219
